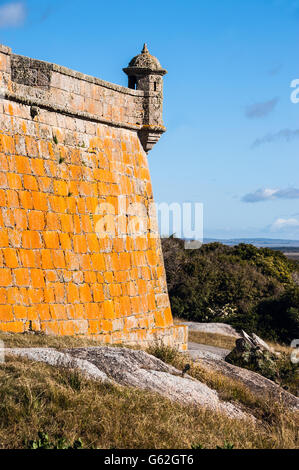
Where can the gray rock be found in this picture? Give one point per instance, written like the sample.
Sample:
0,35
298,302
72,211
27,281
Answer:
255,382
59,359
128,367
251,356
140,369
217,328
261,343
247,338
247,349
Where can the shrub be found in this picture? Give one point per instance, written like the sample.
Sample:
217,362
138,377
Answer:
165,353
250,288
43,442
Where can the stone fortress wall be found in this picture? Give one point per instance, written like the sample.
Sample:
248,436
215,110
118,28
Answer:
69,145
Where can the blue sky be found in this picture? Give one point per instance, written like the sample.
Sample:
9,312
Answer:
233,133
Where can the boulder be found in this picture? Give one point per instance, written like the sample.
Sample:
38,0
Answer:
261,343
247,338
253,353
59,359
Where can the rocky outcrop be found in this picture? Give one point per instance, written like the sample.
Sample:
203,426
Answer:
247,348
251,352
133,368
255,382
59,359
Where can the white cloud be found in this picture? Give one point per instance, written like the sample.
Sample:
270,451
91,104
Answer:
259,110
12,14
275,70
259,195
284,134
281,224
265,194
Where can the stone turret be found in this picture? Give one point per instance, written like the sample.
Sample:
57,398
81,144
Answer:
145,73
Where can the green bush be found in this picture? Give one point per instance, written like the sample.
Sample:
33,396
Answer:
250,288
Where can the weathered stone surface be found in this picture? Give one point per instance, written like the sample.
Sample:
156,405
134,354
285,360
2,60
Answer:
60,359
261,343
255,382
248,340
132,368
146,61
73,176
251,353
30,72
149,136
218,328
145,73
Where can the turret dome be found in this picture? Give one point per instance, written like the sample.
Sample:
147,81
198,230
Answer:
145,60
144,63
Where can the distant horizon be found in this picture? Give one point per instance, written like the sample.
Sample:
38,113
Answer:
259,242
239,239
253,238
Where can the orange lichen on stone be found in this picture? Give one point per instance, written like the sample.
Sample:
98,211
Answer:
72,261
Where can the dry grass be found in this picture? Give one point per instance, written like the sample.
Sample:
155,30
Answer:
212,339
31,340
229,342
280,348
279,421
35,397
228,389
